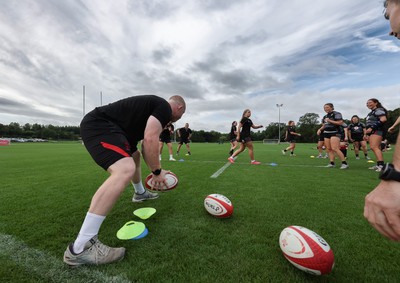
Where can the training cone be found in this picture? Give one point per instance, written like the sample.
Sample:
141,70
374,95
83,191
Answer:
130,230
144,212
144,234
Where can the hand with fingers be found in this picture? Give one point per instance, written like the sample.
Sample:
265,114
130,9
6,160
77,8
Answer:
382,209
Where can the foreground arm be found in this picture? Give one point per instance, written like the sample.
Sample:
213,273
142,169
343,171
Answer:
382,205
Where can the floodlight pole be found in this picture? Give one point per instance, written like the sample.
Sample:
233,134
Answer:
101,98
279,122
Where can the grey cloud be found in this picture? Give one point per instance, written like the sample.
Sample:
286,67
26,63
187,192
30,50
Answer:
162,54
157,9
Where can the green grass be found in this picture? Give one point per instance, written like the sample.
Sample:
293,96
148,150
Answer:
46,190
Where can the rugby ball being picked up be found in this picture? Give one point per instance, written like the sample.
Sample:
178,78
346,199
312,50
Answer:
171,180
218,205
306,250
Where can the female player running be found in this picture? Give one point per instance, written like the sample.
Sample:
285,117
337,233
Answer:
232,137
243,136
290,137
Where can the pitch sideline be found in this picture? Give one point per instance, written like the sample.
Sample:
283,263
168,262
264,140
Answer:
47,266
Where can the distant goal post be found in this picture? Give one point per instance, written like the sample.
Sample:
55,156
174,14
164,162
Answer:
270,141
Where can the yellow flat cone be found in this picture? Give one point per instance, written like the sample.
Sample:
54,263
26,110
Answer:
131,229
371,161
144,212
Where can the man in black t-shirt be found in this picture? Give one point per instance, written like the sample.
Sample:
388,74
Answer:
111,133
165,137
184,134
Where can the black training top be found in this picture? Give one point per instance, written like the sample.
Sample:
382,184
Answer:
373,118
232,134
289,136
131,114
357,128
246,125
329,127
166,133
185,133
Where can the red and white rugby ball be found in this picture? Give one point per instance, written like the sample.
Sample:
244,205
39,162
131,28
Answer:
218,205
306,250
171,180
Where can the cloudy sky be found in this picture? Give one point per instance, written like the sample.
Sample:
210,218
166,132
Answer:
222,55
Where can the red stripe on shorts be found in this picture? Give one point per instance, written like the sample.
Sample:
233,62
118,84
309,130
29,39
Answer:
115,148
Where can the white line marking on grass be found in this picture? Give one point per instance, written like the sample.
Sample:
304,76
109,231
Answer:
220,170
48,267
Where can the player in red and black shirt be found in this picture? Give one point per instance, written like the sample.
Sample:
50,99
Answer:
332,133
184,134
356,136
111,134
376,130
165,137
243,136
290,137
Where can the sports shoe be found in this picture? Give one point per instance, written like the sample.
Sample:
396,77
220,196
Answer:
145,196
326,156
344,166
367,157
293,155
231,160
319,156
254,162
330,165
373,167
172,159
95,252
358,158
283,152
379,168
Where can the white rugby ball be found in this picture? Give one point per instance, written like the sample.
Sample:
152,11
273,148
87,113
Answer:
171,180
218,205
306,250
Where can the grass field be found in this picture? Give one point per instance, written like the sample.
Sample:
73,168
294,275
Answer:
46,190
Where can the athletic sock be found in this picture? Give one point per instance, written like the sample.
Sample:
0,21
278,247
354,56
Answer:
380,163
90,228
344,162
139,189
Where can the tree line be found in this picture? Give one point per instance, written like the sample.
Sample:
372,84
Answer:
307,125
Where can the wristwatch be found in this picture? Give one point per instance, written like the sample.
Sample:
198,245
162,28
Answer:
389,173
156,172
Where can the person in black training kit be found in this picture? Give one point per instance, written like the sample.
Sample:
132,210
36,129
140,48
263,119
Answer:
165,137
184,134
111,133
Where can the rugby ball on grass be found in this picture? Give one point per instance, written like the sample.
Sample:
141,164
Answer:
218,205
306,250
171,180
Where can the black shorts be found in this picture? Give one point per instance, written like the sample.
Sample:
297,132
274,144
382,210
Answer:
165,140
186,141
245,139
106,142
357,138
321,137
329,135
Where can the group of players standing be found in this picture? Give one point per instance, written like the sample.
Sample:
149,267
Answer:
184,134
334,135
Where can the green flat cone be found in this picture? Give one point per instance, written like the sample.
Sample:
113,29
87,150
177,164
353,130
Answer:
145,212
130,230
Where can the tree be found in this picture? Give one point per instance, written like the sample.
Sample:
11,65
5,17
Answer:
307,126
